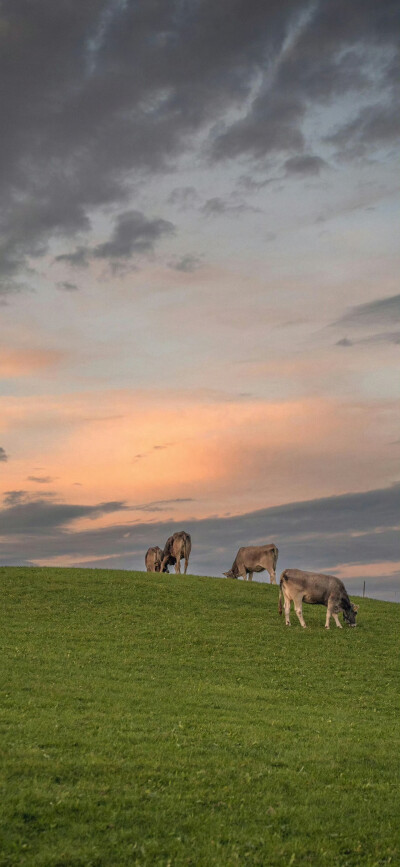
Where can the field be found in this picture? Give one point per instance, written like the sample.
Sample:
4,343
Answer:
171,720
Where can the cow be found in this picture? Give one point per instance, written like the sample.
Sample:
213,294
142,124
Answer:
153,559
316,589
255,558
177,548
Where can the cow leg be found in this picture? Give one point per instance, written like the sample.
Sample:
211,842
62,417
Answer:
272,576
287,611
337,621
186,563
329,614
299,610
250,576
163,562
178,566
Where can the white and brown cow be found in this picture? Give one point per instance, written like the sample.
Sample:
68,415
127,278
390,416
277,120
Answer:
254,558
153,559
316,589
177,548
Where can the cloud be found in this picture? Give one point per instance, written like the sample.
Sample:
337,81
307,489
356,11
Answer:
272,125
304,165
187,264
78,259
389,337
26,362
16,498
39,517
67,287
97,100
383,311
160,505
43,480
184,197
365,319
218,206
133,233
3,455
375,125
12,498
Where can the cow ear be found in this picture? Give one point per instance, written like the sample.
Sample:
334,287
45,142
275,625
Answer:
225,573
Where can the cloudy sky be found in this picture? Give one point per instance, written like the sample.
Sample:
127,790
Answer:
199,303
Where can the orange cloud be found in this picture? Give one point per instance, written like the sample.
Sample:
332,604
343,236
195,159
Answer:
25,362
367,570
221,454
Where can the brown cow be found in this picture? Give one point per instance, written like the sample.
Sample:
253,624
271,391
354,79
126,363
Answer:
177,548
254,559
153,559
316,589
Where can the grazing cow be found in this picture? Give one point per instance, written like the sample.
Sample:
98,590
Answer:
316,589
177,548
254,559
153,559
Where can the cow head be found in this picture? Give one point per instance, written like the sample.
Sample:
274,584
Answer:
229,574
350,615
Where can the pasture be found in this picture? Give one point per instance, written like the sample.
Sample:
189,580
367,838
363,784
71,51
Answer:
168,720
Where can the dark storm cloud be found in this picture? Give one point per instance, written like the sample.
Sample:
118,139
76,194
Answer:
3,455
318,534
96,92
383,311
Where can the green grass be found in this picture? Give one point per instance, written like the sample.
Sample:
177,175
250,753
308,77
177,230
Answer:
164,720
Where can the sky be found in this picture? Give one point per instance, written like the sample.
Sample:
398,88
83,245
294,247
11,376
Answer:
199,299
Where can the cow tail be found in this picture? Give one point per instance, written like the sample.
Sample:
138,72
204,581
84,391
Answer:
276,552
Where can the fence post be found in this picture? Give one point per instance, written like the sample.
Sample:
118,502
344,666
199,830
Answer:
364,590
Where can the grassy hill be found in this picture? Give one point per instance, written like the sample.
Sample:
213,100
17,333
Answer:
164,720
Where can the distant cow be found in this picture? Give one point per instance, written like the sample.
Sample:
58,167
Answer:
254,559
177,548
153,559
316,589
